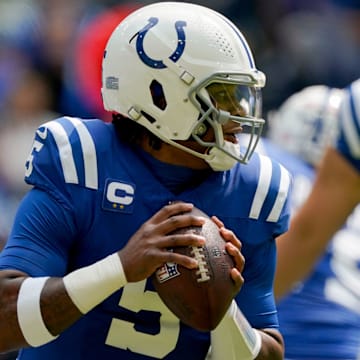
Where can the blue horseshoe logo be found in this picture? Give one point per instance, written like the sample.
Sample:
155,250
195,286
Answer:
175,56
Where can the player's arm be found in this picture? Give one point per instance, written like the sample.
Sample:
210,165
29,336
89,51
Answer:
55,307
234,338
335,194
35,310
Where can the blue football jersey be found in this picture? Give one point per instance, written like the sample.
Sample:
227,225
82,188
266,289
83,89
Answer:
320,318
348,143
90,195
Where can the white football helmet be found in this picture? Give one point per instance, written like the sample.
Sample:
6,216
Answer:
158,64
306,123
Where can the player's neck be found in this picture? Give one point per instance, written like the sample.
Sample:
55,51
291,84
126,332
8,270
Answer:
172,155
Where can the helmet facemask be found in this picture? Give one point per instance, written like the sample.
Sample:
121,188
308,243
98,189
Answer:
221,100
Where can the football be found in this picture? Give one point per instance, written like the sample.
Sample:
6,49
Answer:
199,297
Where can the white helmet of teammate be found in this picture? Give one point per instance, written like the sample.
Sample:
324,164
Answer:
306,123
159,64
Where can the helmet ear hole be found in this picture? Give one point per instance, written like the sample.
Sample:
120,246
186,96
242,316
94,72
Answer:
157,94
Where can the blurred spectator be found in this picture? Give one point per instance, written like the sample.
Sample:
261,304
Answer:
59,23
27,95
27,105
20,26
18,33
25,100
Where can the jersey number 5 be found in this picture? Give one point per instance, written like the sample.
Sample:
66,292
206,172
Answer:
122,334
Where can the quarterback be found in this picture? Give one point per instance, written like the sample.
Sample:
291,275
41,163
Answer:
182,85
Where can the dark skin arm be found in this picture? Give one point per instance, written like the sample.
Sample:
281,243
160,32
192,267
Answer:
335,194
142,255
272,347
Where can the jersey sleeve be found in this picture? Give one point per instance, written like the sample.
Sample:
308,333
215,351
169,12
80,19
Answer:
259,272
62,168
348,143
41,237
268,218
264,215
63,154
269,205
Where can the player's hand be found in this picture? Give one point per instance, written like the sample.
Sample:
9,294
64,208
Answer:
233,247
147,250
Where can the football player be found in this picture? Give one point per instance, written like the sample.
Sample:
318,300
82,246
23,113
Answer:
333,197
182,84
319,318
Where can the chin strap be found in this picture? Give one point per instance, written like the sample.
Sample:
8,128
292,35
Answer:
220,160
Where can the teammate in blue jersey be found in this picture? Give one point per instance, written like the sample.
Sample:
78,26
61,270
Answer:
320,317
333,197
181,82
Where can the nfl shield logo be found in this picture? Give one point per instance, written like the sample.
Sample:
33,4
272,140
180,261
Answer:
166,272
